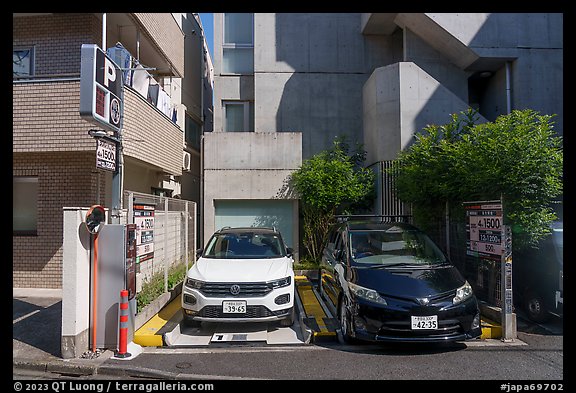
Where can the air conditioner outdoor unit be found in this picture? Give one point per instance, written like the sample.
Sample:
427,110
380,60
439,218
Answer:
186,161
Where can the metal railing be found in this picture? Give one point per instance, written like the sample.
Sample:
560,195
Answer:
166,234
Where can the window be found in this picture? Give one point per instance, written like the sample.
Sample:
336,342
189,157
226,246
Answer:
193,132
22,62
25,205
238,44
238,116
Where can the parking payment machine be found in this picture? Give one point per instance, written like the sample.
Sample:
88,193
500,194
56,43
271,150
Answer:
113,271
131,260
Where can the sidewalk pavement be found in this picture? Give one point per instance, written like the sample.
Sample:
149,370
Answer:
36,336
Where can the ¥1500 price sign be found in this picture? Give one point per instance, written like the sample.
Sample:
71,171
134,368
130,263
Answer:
105,154
485,225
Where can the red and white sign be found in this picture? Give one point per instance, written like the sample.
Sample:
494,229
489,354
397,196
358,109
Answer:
100,88
144,220
485,230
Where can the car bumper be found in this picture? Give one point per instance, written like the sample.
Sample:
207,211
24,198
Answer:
393,324
274,306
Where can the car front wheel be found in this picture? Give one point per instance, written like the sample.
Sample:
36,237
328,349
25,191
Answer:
344,335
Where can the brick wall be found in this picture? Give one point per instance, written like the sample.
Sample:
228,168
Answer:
45,117
64,179
57,39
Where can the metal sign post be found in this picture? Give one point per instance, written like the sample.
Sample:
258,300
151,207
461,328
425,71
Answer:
508,330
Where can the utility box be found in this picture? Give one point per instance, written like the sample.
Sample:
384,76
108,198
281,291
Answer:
113,270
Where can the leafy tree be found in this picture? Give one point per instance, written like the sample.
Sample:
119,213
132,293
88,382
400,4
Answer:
330,182
517,157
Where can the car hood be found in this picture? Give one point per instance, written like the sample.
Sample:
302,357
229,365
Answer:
409,282
241,270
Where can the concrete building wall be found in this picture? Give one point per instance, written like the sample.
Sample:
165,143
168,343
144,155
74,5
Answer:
399,100
309,70
246,165
436,65
531,42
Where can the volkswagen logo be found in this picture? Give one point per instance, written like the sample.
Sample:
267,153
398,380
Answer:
423,301
235,289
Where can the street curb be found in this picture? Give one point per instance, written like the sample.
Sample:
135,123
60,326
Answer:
56,367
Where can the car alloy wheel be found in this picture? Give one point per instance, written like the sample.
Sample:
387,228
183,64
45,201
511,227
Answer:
344,336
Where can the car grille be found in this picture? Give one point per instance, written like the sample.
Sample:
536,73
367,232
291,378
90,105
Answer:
251,312
222,289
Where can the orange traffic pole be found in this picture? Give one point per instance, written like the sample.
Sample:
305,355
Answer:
123,326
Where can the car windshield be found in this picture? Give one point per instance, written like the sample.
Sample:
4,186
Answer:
394,246
245,245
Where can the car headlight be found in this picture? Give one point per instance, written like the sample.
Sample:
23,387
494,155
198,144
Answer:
283,282
195,284
368,294
462,293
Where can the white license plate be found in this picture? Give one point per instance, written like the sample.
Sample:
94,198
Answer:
229,307
429,322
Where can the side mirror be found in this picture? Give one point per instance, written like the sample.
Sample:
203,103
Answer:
199,252
95,216
289,251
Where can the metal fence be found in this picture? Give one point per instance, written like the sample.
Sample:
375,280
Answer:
166,234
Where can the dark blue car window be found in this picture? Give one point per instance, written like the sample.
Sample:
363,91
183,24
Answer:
393,246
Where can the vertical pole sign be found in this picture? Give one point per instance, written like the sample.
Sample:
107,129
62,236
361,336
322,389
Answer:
489,238
100,88
101,103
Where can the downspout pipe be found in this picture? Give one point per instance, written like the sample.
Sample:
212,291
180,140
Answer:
508,89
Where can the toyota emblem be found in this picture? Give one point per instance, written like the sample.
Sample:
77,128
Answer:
235,289
423,301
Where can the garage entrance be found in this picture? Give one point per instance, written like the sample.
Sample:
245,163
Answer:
258,213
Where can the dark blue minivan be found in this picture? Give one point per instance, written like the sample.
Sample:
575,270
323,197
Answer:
388,282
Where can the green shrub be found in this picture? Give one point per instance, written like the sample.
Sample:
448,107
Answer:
154,288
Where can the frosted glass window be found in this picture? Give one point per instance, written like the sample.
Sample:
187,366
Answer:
238,60
238,28
238,44
25,205
236,116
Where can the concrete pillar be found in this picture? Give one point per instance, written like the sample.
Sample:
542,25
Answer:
75,283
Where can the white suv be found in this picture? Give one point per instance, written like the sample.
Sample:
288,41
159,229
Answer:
243,275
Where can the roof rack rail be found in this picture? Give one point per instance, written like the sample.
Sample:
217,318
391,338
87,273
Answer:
379,217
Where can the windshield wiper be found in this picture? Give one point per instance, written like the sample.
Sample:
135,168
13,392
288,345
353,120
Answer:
396,265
